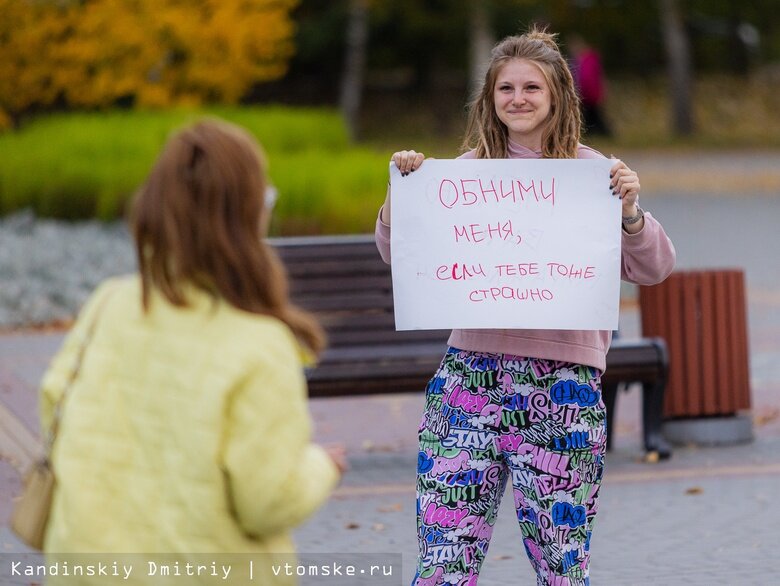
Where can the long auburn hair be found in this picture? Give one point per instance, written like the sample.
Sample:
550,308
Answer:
197,221
561,135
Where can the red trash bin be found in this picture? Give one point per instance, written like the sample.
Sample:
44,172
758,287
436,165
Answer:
702,316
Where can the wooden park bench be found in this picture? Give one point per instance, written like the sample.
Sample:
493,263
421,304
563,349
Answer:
345,283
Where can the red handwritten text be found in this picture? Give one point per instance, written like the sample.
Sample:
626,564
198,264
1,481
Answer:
468,192
571,271
510,293
458,272
520,269
477,233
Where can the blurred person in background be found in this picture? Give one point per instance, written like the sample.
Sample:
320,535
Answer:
591,85
186,428
479,431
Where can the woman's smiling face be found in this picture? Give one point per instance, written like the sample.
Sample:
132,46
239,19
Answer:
523,102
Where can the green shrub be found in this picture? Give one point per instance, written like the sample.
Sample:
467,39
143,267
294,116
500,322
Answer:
79,165
327,192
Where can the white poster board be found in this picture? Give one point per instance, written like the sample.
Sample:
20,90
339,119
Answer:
506,243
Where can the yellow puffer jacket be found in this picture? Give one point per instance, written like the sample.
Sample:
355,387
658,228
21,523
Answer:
186,431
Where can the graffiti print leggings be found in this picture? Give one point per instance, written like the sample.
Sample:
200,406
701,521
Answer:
492,417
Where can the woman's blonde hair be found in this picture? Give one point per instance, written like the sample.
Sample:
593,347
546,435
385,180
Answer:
197,221
561,135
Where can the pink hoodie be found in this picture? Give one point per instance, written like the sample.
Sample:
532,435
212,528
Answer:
647,258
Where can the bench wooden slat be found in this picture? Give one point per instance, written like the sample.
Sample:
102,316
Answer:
399,351
326,285
336,269
309,246
325,303
380,337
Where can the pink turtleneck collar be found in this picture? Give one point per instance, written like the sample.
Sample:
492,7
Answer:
518,151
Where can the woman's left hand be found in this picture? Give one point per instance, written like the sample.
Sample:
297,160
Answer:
625,184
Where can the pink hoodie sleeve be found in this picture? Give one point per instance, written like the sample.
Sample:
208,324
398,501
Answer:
382,237
648,256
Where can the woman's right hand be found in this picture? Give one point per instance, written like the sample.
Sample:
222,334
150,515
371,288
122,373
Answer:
338,453
407,161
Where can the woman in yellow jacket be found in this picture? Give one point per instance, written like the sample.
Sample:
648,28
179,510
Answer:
186,430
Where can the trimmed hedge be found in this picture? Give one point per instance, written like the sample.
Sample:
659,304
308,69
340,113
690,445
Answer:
88,165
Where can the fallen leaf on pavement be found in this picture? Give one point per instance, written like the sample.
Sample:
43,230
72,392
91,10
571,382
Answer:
767,416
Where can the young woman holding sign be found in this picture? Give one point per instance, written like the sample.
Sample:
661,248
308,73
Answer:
522,406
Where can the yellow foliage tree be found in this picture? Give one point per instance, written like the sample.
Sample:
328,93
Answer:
28,31
154,52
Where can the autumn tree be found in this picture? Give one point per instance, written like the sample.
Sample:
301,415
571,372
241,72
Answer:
93,53
678,56
354,65
28,32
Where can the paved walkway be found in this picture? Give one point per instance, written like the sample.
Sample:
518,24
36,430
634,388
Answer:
707,516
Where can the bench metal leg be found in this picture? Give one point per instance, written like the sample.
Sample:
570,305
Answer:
652,418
